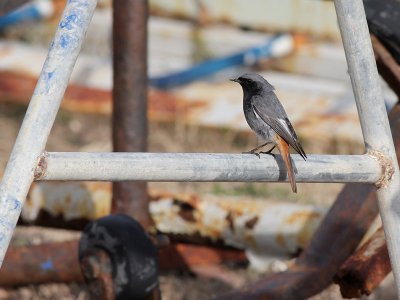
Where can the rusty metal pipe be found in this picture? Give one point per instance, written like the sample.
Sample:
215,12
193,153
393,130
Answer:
335,240
58,262
130,100
365,269
387,65
96,268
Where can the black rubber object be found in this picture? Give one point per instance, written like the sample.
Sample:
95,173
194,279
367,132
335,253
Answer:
132,254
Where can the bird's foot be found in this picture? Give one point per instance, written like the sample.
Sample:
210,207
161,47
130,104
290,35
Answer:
252,152
269,151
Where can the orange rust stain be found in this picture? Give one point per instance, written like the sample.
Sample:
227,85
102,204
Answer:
18,88
166,106
301,216
304,236
280,239
251,223
250,239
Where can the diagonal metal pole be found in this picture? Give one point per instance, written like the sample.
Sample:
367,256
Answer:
39,118
373,118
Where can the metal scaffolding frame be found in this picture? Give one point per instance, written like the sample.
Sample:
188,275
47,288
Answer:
28,160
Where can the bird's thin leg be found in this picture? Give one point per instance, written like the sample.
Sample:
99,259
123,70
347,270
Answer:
269,151
253,151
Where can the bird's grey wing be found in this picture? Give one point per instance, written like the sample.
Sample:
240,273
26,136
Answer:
274,115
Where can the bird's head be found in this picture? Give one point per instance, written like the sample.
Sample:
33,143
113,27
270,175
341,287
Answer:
253,82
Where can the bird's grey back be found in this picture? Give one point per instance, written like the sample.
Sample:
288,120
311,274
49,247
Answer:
272,104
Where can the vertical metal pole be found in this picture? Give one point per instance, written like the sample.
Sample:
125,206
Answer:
373,118
41,113
130,100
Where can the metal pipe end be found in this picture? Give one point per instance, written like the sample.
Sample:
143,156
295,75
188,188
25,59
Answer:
41,167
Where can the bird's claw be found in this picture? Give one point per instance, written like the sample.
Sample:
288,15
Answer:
268,152
252,152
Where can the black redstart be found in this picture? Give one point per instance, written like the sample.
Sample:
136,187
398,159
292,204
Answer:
268,119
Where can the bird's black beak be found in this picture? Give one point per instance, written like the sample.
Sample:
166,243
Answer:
234,79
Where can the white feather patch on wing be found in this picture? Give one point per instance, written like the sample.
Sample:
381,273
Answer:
285,126
258,117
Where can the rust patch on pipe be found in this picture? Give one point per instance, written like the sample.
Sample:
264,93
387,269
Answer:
186,210
96,268
41,167
231,222
251,223
185,256
386,166
302,216
55,262
387,65
364,270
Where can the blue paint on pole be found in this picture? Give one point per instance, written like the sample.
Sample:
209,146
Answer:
64,40
69,21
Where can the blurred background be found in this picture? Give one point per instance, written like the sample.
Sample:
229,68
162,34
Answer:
194,48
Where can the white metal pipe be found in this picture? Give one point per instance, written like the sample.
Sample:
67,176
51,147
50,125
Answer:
41,113
206,167
373,117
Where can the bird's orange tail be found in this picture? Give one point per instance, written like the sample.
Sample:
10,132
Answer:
284,150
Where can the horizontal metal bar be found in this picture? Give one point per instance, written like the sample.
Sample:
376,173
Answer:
117,166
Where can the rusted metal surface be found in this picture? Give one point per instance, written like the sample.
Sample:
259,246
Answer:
66,205
262,227
387,65
130,100
96,269
365,269
334,241
163,106
186,256
58,262
265,229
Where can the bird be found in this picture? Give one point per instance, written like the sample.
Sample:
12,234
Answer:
268,119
